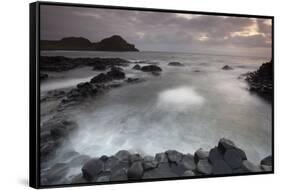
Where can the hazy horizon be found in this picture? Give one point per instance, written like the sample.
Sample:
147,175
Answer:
161,32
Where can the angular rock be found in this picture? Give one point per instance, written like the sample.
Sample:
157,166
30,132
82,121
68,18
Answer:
92,169
204,167
99,67
101,78
188,162
250,167
174,156
135,171
200,154
162,171
267,161
151,68
221,167
215,155
227,67
233,158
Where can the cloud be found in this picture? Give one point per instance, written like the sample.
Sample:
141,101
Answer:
158,31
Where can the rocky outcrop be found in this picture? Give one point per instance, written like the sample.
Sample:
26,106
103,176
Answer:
60,63
261,81
151,68
175,64
225,158
113,43
227,67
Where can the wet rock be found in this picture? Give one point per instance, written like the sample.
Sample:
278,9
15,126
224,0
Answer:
137,67
177,168
110,163
135,158
151,68
104,158
104,177
174,156
227,67
123,155
215,155
250,167
221,167
99,67
200,154
225,144
134,80
233,158
188,173
101,78
116,73
92,168
62,129
162,171
204,167
267,161
161,157
148,165
188,162
119,175
175,64
135,171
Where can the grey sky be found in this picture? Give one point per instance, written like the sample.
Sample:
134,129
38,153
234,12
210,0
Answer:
156,31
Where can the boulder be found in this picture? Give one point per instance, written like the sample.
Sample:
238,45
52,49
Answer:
110,163
162,171
116,73
99,67
188,162
101,78
250,167
225,144
92,169
151,68
204,167
227,67
233,158
174,156
161,157
119,175
135,171
123,155
135,158
215,155
221,167
175,64
200,154
267,161
137,67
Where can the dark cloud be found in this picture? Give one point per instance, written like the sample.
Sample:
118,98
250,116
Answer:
157,31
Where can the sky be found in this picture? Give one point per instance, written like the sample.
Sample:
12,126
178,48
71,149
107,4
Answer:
159,31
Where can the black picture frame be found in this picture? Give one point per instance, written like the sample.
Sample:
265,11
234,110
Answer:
34,98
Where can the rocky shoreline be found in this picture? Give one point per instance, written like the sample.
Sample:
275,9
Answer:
225,158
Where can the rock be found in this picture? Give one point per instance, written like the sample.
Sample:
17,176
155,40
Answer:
250,167
137,67
188,162
221,167
134,80
123,155
101,78
204,167
225,144
266,168
62,129
78,179
151,68
99,67
215,155
104,158
148,165
104,177
110,163
116,73
161,157
188,173
177,168
174,156
135,171
135,158
92,169
226,67
267,161
119,175
162,171
233,158
79,160
200,154
175,64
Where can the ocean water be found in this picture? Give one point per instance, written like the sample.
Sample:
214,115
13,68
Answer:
185,108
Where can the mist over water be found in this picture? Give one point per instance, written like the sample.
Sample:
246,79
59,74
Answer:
181,109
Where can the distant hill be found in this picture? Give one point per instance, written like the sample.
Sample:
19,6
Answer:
113,43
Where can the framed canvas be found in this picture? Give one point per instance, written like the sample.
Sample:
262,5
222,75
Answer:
122,94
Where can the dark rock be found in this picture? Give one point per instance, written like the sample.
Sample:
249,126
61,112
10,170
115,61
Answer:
200,154
137,67
225,144
116,73
133,80
174,156
62,129
204,167
161,157
135,171
250,167
135,158
151,68
104,158
215,155
110,163
233,158
267,161
221,167
175,64
92,169
148,165
101,78
120,175
123,155
162,171
104,177
188,162
226,67
100,67
188,173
